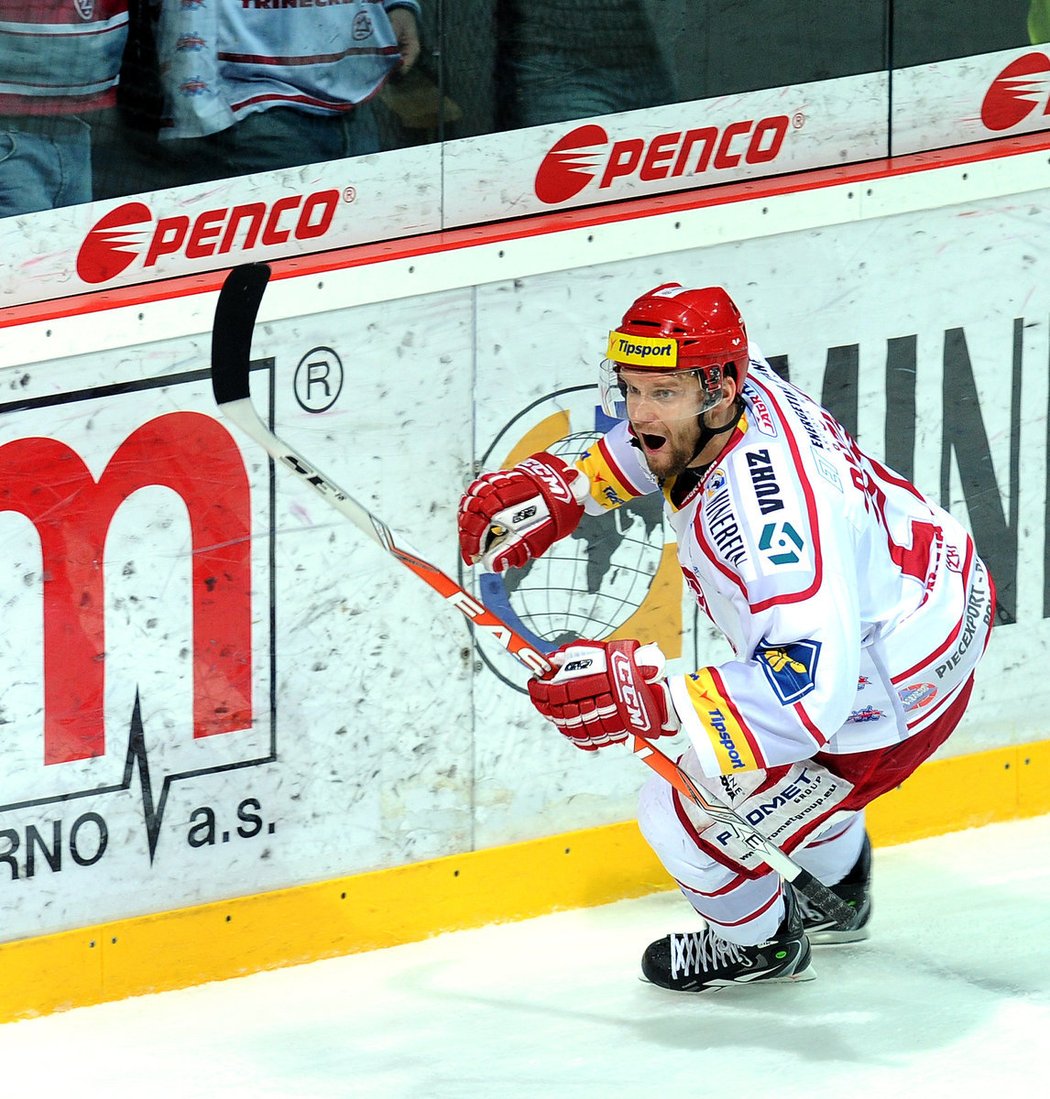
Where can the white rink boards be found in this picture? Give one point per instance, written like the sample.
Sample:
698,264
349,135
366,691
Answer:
335,718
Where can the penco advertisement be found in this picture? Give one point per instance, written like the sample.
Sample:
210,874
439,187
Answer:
537,170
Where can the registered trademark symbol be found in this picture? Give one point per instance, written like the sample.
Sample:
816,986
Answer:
318,379
798,120
349,194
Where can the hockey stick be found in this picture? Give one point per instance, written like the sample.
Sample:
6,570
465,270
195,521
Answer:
235,314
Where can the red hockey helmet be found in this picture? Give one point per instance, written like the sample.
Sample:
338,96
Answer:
671,328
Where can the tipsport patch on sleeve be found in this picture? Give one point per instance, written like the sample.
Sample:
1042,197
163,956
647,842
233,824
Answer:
791,669
720,721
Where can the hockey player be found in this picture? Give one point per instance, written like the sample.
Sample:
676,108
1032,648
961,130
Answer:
856,610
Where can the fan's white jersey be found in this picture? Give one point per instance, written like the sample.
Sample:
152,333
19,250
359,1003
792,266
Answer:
224,60
855,607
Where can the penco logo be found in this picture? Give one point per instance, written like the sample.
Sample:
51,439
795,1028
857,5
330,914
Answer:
584,154
1017,91
121,236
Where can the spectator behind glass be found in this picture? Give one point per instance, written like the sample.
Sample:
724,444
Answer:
59,66
250,86
566,59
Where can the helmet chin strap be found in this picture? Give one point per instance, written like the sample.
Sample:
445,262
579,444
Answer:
708,433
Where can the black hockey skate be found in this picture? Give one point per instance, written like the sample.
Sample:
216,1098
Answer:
855,890
697,960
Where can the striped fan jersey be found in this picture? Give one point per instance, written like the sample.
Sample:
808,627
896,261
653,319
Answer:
856,608
60,57
222,60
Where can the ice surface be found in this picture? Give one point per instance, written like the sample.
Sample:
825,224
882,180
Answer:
950,996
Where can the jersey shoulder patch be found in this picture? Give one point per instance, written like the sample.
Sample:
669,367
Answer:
790,669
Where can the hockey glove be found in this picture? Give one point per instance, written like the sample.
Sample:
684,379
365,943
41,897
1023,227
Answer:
510,516
599,693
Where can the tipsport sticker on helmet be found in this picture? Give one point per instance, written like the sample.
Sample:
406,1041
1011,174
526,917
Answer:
655,351
790,669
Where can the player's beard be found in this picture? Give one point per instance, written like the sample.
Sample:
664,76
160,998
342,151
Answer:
673,456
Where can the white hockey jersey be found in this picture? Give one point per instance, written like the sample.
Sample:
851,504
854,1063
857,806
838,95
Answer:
856,608
221,61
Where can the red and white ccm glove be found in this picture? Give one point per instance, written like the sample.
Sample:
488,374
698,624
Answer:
507,517
600,692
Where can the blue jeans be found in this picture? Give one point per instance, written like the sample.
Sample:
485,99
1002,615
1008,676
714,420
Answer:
44,163
553,86
281,137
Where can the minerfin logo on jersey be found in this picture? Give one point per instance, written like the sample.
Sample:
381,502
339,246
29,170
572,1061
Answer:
610,578
791,669
724,529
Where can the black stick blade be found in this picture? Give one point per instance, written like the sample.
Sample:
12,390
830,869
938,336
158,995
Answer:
231,335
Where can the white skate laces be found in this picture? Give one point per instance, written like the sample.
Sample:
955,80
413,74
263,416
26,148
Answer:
701,952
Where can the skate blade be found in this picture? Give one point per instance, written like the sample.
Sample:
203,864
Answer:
831,937
807,974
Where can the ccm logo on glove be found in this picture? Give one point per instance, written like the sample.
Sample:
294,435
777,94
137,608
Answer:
556,486
600,692
508,517
623,668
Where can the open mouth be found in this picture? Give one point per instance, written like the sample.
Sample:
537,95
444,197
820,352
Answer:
653,442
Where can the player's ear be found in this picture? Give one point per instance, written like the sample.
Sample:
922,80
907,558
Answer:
730,387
